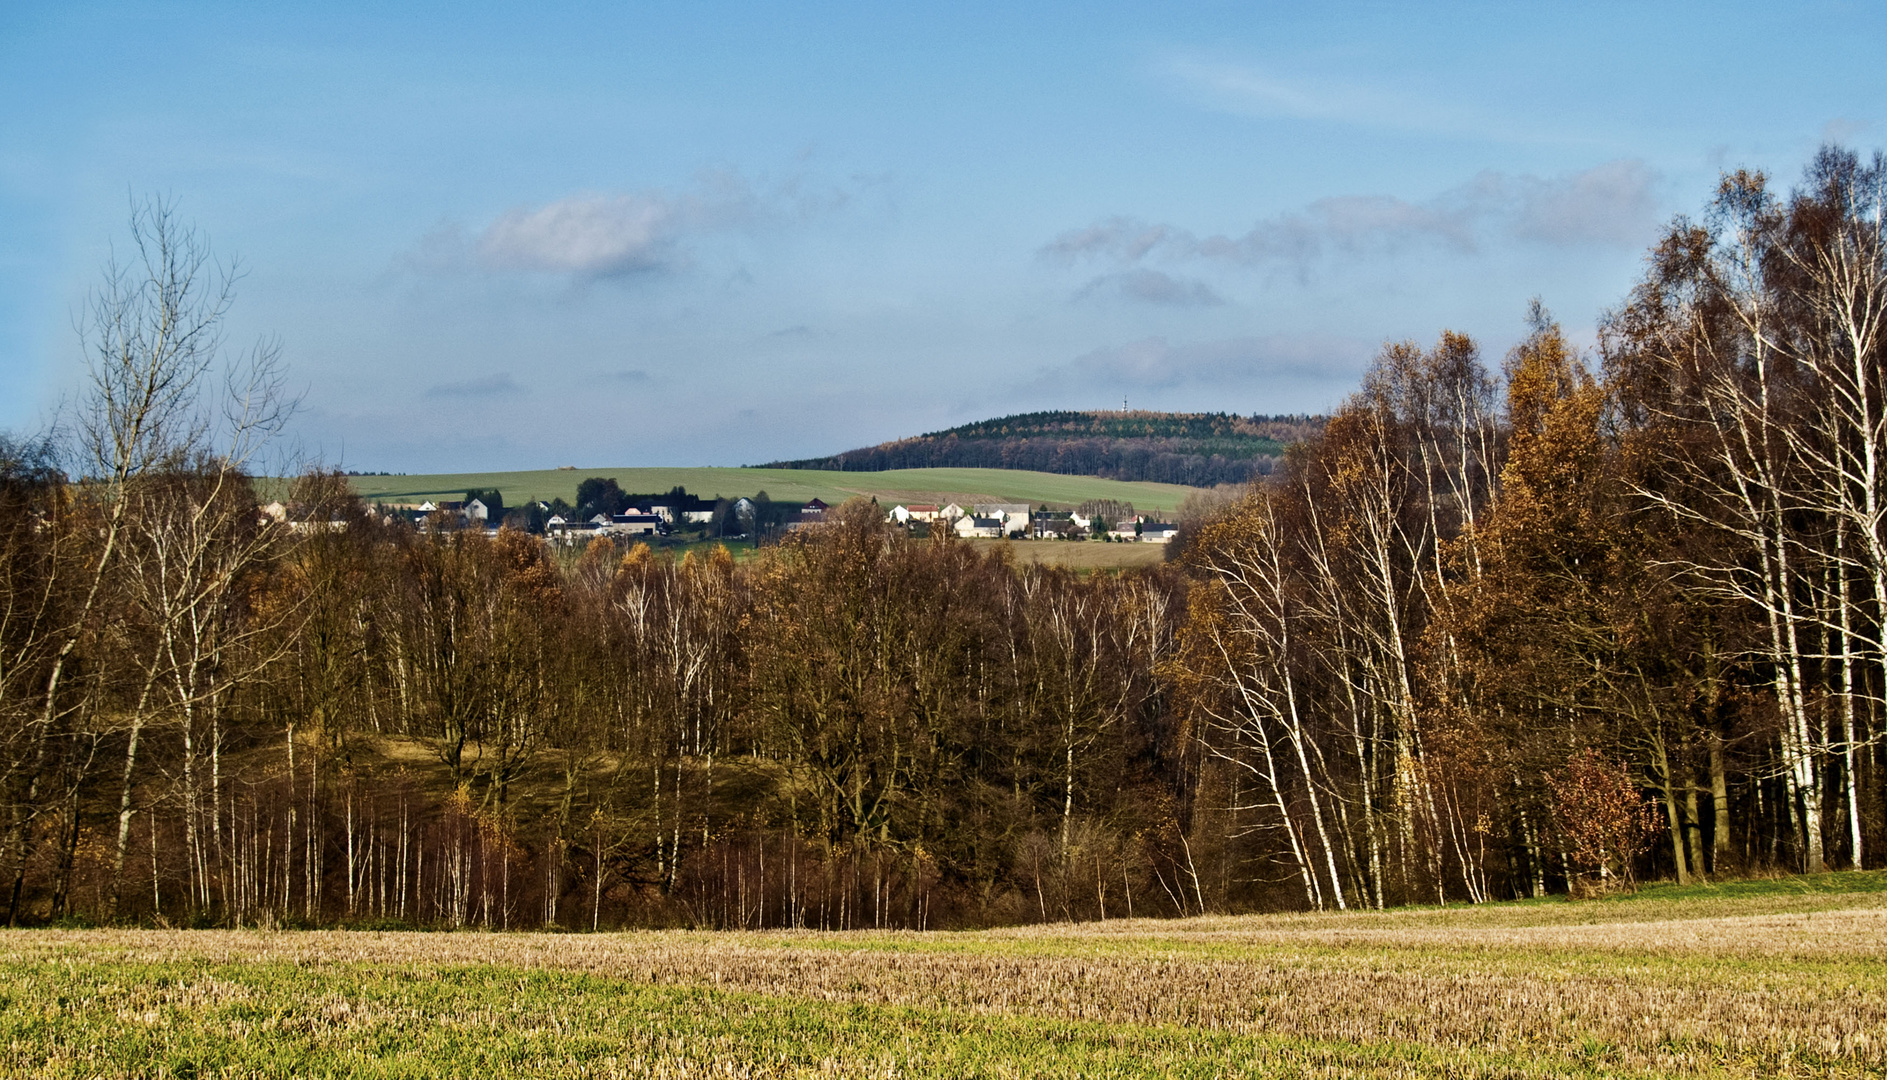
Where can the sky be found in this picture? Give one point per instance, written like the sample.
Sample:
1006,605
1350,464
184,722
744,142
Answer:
509,236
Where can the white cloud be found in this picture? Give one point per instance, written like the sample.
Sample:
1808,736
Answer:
1248,90
584,234
603,234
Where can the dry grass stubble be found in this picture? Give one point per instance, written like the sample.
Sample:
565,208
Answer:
1768,993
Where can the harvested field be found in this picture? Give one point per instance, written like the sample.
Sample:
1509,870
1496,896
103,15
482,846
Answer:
1697,985
1082,555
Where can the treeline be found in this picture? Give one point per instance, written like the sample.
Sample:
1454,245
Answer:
1488,634
1485,630
1197,449
856,729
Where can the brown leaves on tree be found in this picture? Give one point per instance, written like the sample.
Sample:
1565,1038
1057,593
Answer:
1605,821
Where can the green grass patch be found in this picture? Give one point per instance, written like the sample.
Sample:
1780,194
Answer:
1831,883
1773,981
792,485
181,1019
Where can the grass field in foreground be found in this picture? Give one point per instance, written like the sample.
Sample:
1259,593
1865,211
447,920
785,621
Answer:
795,485
1699,982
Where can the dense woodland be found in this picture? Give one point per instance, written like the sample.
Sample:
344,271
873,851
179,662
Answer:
1552,624
1200,449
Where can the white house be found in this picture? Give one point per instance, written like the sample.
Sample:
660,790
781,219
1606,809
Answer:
476,510
677,515
952,512
746,515
979,526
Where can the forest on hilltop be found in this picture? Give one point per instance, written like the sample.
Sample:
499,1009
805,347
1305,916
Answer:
1198,449
1490,632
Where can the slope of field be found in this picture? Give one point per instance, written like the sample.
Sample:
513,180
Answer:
1698,982
795,485
1183,448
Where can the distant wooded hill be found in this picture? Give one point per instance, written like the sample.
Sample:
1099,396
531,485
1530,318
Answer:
1200,449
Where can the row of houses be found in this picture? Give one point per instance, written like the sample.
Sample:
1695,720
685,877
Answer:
282,513
645,518
653,519
470,512
994,520
988,520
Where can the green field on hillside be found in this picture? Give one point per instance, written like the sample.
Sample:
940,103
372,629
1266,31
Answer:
1769,980
794,485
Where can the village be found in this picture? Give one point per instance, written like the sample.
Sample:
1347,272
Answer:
1018,521
748,518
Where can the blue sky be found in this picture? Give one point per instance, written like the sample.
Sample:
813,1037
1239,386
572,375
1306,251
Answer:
519,236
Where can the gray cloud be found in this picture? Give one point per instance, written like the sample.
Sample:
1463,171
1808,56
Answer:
1152,287
1842,129
1122,238
499,385
1247,362
634,376
1612,204
1348,223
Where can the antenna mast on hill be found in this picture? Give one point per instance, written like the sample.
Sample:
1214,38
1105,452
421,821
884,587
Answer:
1123,403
